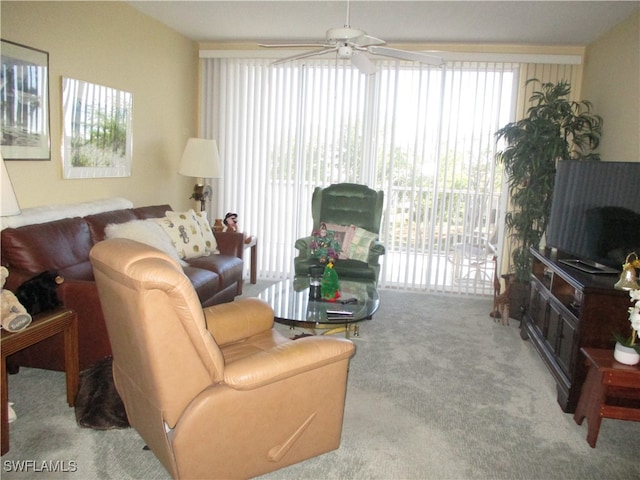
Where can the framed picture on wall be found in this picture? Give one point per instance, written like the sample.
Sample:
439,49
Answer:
97,137
24,102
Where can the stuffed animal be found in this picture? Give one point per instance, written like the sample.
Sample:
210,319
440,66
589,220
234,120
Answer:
231,221
38,294
14,316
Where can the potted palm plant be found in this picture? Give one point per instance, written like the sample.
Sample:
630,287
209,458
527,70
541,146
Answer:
555,128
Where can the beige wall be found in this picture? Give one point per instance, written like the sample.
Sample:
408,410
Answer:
112,44
612,83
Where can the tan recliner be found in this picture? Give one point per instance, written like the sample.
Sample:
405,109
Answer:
215,393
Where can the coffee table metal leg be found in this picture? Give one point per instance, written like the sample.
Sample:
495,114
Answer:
333,331
347,329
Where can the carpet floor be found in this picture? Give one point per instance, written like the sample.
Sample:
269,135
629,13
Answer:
436,390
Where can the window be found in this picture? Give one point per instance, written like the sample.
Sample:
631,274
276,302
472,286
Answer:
424,135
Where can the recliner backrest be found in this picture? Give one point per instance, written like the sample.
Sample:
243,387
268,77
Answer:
161,347
347,204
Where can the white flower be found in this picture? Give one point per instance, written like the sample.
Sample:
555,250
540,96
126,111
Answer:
634,311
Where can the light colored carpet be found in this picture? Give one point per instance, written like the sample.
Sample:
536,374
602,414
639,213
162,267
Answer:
436,390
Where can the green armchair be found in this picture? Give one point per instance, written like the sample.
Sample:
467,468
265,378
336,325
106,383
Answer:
355,207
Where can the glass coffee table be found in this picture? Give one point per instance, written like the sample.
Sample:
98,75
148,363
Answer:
292,306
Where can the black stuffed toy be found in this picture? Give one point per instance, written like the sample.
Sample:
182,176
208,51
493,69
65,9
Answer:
38,294
98,404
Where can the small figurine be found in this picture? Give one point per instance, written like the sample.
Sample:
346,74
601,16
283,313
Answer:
330,286
231,221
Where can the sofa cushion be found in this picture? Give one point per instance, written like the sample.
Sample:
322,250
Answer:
148,232
99,221
228,268
62,245
159,211
344,235
206,283
360,244
152,211
185,233
207,232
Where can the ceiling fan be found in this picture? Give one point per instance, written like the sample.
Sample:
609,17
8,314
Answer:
354,44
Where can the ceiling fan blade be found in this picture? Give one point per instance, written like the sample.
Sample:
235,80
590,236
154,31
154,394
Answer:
366,41
294,45
406,55
312,53
363,63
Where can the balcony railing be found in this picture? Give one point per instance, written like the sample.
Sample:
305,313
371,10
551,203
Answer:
440,241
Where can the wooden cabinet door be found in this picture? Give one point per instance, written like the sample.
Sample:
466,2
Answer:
567,345
538,308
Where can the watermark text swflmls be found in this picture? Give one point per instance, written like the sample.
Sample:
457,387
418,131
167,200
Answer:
40,466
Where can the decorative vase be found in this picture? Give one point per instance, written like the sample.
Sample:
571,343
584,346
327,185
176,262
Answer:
625,355
315,281
218,226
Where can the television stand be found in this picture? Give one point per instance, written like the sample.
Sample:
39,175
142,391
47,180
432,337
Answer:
568,310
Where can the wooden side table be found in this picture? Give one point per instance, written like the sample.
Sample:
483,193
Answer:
42,327
611,390
252,243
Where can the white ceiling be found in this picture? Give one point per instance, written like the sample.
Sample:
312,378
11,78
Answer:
496,22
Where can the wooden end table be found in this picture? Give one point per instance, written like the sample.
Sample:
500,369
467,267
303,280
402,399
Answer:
43,326
252,243
611,390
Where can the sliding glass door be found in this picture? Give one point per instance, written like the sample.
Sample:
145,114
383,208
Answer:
424,135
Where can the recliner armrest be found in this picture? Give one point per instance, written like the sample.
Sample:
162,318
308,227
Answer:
303,245
375,250
234,321
286,360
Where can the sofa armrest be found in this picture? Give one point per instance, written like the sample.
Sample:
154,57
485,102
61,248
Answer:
230,243
286,360
16,278
79,295
235,321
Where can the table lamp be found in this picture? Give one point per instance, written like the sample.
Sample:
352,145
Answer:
200,159
9,204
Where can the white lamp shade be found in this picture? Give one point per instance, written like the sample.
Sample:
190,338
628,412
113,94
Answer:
9,204
200,159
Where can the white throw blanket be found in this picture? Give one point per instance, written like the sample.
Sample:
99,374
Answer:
34,215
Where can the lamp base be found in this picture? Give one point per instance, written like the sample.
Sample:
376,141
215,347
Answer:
200,194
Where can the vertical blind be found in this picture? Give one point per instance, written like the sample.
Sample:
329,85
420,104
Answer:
424,135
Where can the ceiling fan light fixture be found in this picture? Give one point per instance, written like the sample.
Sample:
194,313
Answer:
345,51
363,63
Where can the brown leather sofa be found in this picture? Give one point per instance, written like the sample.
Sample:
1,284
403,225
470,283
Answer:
64,245
214,393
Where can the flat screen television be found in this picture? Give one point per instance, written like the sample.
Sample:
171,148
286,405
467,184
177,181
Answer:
595,211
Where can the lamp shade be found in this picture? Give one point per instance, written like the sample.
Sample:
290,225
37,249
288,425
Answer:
200,159
9,204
